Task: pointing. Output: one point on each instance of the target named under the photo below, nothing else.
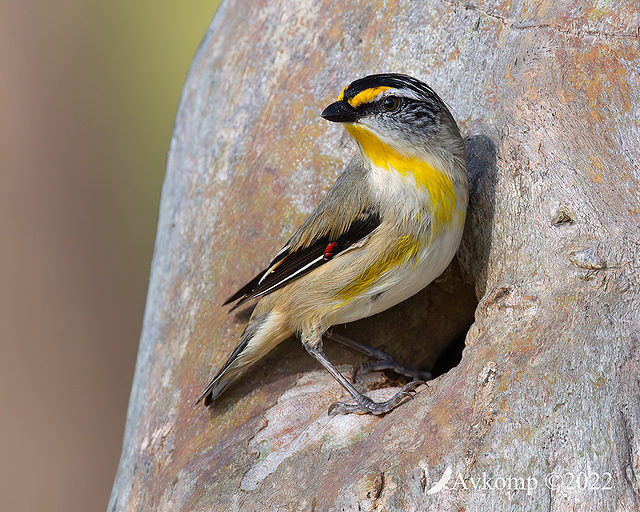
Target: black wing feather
(289, 265)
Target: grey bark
(547, 391)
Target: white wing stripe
(301, 269)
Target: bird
(389, 225)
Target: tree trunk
(542, 411)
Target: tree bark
(543, 411)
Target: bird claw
(383, 360)
(386, 362)
(365, 405)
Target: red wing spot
(328, 252)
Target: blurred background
(88, 94)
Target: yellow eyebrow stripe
(364, 96)
(341, 95)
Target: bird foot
(384, 360)
(387, 362)
(365, 405)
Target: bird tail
(262, 334)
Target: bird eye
(390, 103)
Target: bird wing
(344, 218)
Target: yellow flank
(438, 185)
(363, 96)
(405, 248)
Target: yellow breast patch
(438, 185)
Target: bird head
(399, 112)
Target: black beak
(340, 112)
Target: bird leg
(384, 361)
(363, 404)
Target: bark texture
(547, 95)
